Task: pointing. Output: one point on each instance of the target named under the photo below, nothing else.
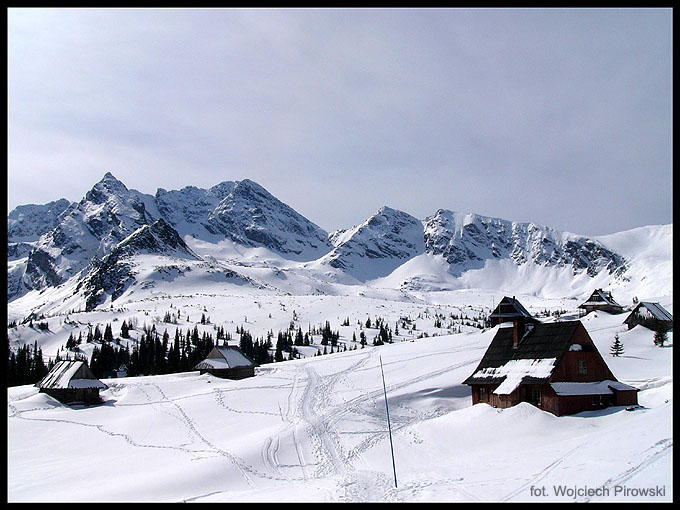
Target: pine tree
(617, 347)
(124, 330)
(108, 333)
(71, 342)
(661, 335)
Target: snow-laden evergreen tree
(617, 347)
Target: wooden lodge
(600, 300)
(227, 362)
(650, 315)
(554, 366)
(71, 381)
(510, 309)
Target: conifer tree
(108, 333)
(661, 335)
(617, 347)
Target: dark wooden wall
(231, 373)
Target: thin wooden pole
(389, 427)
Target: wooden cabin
(600, 300)
(509, 309)
(554, 366)
(227, 362)
(71, 381)
(650, 315)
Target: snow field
(315, 429)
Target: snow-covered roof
(214, 363)
(509, 308)
(515, 371)
(531, 361)
(589, 388)
(70, 374)
(658, 311)
(599, 297)
(230, 356)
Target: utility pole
(389, 427)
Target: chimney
(517, 332)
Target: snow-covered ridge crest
(390, 250)
(28, 222)
(467, 241)
(89, 230)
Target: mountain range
(92, 249)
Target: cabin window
(582, 366)
(598, 400)
(534, 396)
(483, 396)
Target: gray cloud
(528, 115)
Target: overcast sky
(558, 117)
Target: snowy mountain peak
(391, 248)
(251, 216)
(378, 246)
(108, 186)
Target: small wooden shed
(72, 381)
(650, 315)
(554, 366)
(600, 300)
(227, 362)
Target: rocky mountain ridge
(50, 244)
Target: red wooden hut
(554, 366)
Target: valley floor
(315, 429)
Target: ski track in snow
(653, 454)
(328, 418)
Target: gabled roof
(230, 356)
(532, 362)
(600, 297)
(657, 311)
(508, 308)
(70, 374)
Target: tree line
(26, 366)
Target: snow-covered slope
(114, 274)
(315, 429)
(649, 255)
